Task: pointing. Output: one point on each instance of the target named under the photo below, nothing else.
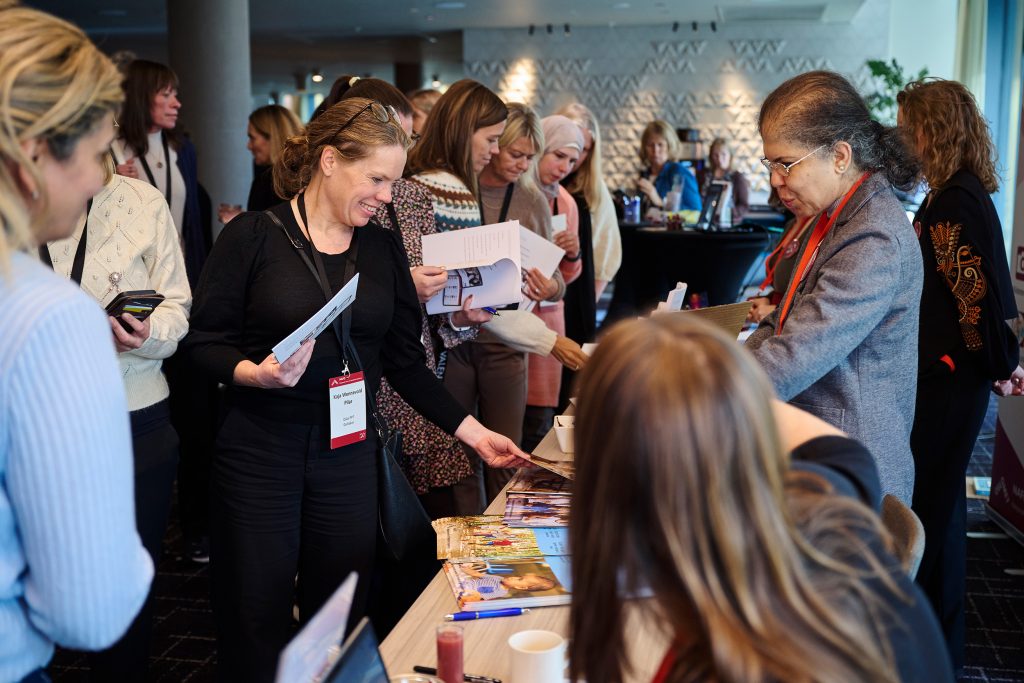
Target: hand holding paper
(482, 262)
(312, 328)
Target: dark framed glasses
(381, 112)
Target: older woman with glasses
(841, 343)
(295, 491)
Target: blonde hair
(55, 86)
(587, 178)
(523, 122)
(424, 99)
(757, 571)
(718, 143)
(955, 134)
(277, 124)
(661, 129)
(300, 158)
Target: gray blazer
(848, 351)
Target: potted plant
(889, 80)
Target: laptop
(360, 660)
(315, 648)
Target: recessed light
(450, 5)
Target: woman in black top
(285, 502)
(965, 343)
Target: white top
(158, 166)
(607, 242)
(72, 568)
(132, 238)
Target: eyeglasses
(383, 113)
(784, 169)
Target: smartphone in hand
(140, 303)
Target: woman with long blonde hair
(759, 566)
(75, 572)
(964, 343)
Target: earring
(35, 195)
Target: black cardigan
(256, 290)
(967, 295)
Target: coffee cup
(537, 657)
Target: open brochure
(538, 253)
(483, 262)
(319, 321)
(539, 482)
(528, 510)
(488, 537)
(523, 582)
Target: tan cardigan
(131, 233)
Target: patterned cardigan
(432, 457)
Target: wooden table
(411, 642)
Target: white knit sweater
(131, 233)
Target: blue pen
(492, 311)
(486, 614)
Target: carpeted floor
(184, 648)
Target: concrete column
(208, 44)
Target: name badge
(559, 222)
(348, 409)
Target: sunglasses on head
(381, 112)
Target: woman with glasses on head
(966, 349)
(755, 549)
(74, 571)
(285, 501)
(841, 344)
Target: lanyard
(811, 250)
(167, 169)
(79, 264)
(505, 203)
(320, 273)
(554, 206)
(792, 235)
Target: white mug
(537, 657)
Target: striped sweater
(72, 568)
(455, 207)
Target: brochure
(537, 253)
(527, 510)
(312, 328)
(539, 482)
(483, 262)
(525, 582)
(488, 537)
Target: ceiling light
(435, 81)
(317, 77)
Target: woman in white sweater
(128, 242)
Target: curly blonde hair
(942, 119)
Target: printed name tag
(558, 223)
(348, 409)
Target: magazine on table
(539, 481)
(488, 537)
(520, 582)
(527, 510)
(482, 262)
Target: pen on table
(486, 614)
(492, 311)
(472, 678)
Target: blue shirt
(72, 568)
(667, 178)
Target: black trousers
(155, 446)
(284, 504)
(950, 409)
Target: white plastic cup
(537, 657)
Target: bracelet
(456, 327)
(573, 259)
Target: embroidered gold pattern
(962, 271)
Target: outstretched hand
(495, 449)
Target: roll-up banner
(1006, 502)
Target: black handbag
(404, 524)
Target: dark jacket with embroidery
(967, 295)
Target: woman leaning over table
(127, 242)
(286, 503)
(459, 139)
(758, 547)
(965, 344)
(73, 571)
(840, 345)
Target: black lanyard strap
(503, 216)
(167, 168)
(79, 264)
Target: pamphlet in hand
(483, 262)
(538, 253)
(312, 328)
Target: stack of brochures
(518, 560)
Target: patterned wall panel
(711, 81)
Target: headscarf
(560, 132)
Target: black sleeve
(966, 247)
(846, 459)
(217, 321)
(403, 359)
